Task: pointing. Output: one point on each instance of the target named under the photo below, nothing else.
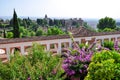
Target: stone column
(8, 53)
(55, 46)
(80, 41)
(102, 40)
(22, 50)
(59, 47)
(48, 47)
(115, 38)
(70, 44)
(109, 39)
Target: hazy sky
(61, 8)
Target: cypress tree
(16, 32)
(4, 33)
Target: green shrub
(81, 45)
(108, 30)
(105, 65)
(4, 72)
(108, 44)
(44, 64)
(36, 66)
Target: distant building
(47, 19)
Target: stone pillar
(95, 40)
(48, 47)
(22, 50)
(55, 46)
(109, 39)
(70, 44)
(80, 41)
(102, 41)
(115, 38)
(8, 53)
(59, 47)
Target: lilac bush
(29, 78)
(110, 45)
(116, 46)
(77, 60)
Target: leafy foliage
(39, 32)
(55, 31)
(106, 23)
(24, 32)
(108, 30)
(108, 44)
(104, 66)
(37, 65)
(9, 35)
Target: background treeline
(39, 27)
(26, 27)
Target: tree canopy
(106, 22)
(55, 31)
(39, 32)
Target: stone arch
(2, 51)
(98, 42)
(64, 46)
(83, 41)
(113, 39)
(27, 49)
(3, 55)
(45, 46)
(14, 49)
(53, 47)
(91, 41)
(106, 39)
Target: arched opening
(13, 50)
(53, 47)
(28, 49)
(113, 39)
(3, 55)
(2, 51)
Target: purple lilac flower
(79, 58)
(65, 66)
(28, 78)
(54, 71)
(99, 48)
(71, 72)
(80, 71)
(67, 61)
(85, 66)
(116, 45)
